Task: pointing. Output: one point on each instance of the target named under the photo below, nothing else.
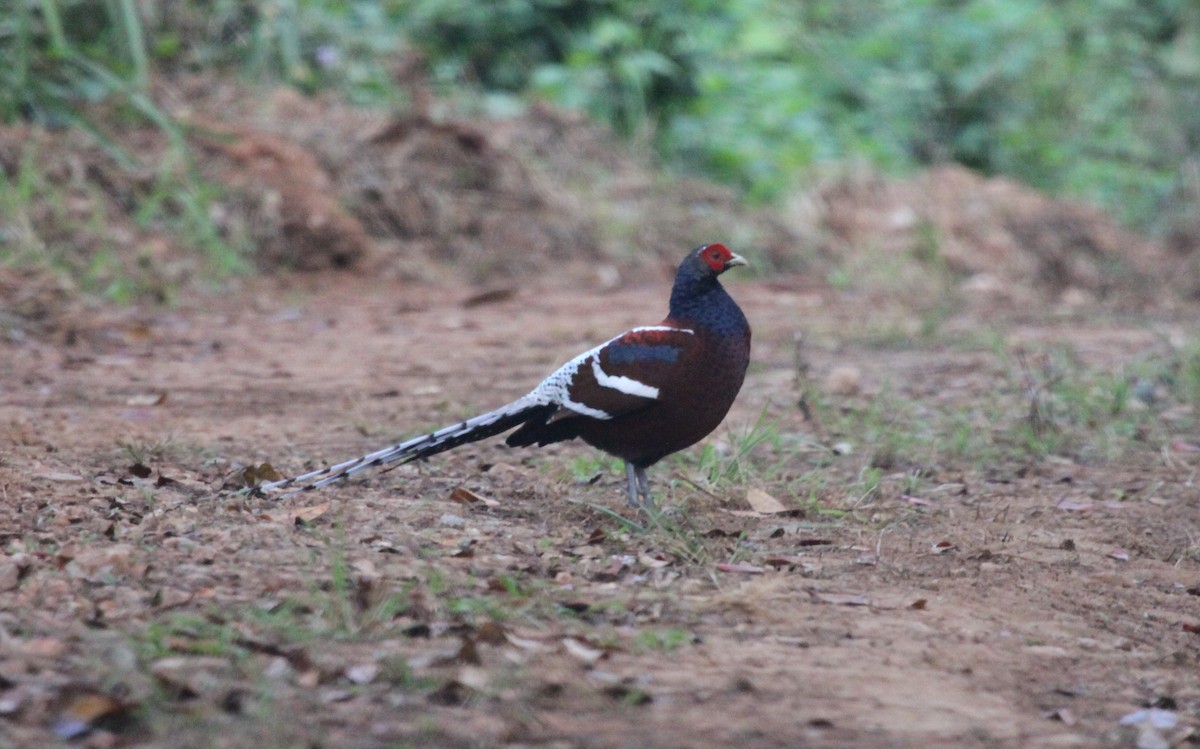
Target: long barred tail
(473, 429)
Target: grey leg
(631, 475)
(643, 485)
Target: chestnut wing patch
(629, 372)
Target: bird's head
(697, 297)
(712, 260)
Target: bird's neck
(703, 303)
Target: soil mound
(994, 235)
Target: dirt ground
(486, 599)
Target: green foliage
(1077, 96)
(68, 55)
(311, 44)
(1098, 99)
(627, 63)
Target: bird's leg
(631, 475)
(643, 486)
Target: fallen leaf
(919, 604)
(840, 599)
(762, 502)
(191, 676)
(742, 567)
(58, 476)
(814, 542)
(582, 650)
(85, 712)
(491, 632)
(451, 694)
(1062, 714)
(653, 561)
(595, 537)
(473, 677)
(489, 296)
(630, 695)
(147, 399)
(468, 653)
(465, 550)
(12, 701)
(44, 647)
(362, 673)
(722, 533)
(309, 514)
(1153, 717)
(942, 547)
(1119, 554)
(252, 476)
(1078, 505)
(778, 561)
(524, 643)
(465, 496)
(1180, 446)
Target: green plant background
(1097, 99)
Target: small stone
(844, 381)
(452, 521)
(10, 576)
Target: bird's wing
(623, 375)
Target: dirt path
(915, 598)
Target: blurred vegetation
(1096, 98)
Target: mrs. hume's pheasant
(641, 396)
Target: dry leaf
(653, 561)
(58, 476)
(762, 502)
(1119, 554)
(362, 673)
(742, 567)
(1079, 505)
(309, 514)
(474, 677)
(44, 647)
(489, 296)
(252, 476)
(147, 399)
(84, 712)
(841, 599)
(581, 650)
(465, 496)
(451, 694)
(942, 547)
(779, 561)
(491, 632)
(1062, 714)
(524, 643)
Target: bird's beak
(735, 260)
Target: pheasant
(641, 396)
